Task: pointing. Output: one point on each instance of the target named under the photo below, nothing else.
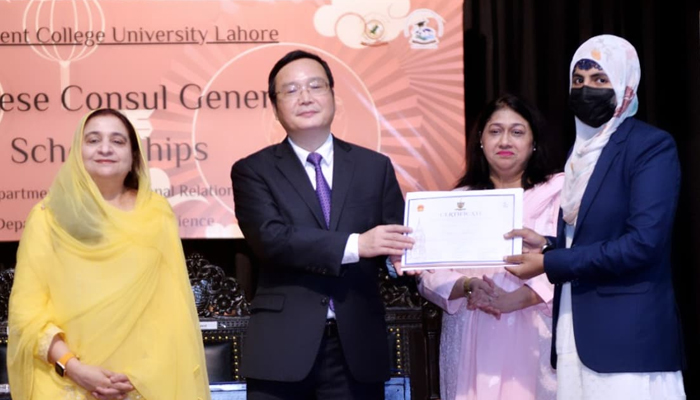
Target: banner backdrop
(192, 76)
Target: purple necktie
(323, 193)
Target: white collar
(325, 150)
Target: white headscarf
(619, 61)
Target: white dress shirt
(352, 251)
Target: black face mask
(592, 106)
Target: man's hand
(527, 265)
(384, 240)
(532, 241)
(396, 263)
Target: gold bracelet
(467, 286)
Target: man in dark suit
(322, 215)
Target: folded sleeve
(436, 287)
(45, 339)
(544, 289)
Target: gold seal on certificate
(462, 229)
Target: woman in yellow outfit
(101, 306)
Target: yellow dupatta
(114, 281)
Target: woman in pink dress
(496, 328)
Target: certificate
(462, 229)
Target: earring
(534, 149)
(482, 145)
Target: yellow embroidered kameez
(113, 283)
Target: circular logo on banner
(249, 123)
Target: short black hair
(132, 178)
(539, 168)
(288, 58)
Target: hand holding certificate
(462, 229)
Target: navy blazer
(619, 264)
(281, 219)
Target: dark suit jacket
(619, 263)
(301, 269)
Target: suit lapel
(343, 170)
(607, 156)
(288, 164)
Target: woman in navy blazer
(617, 331)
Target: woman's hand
(481, 296)
(526, 266)
(532, 241)
(507, 302)
(101, 383)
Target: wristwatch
(60, 365)
(548, 245)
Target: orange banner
(192, 76)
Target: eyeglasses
(315, 87)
